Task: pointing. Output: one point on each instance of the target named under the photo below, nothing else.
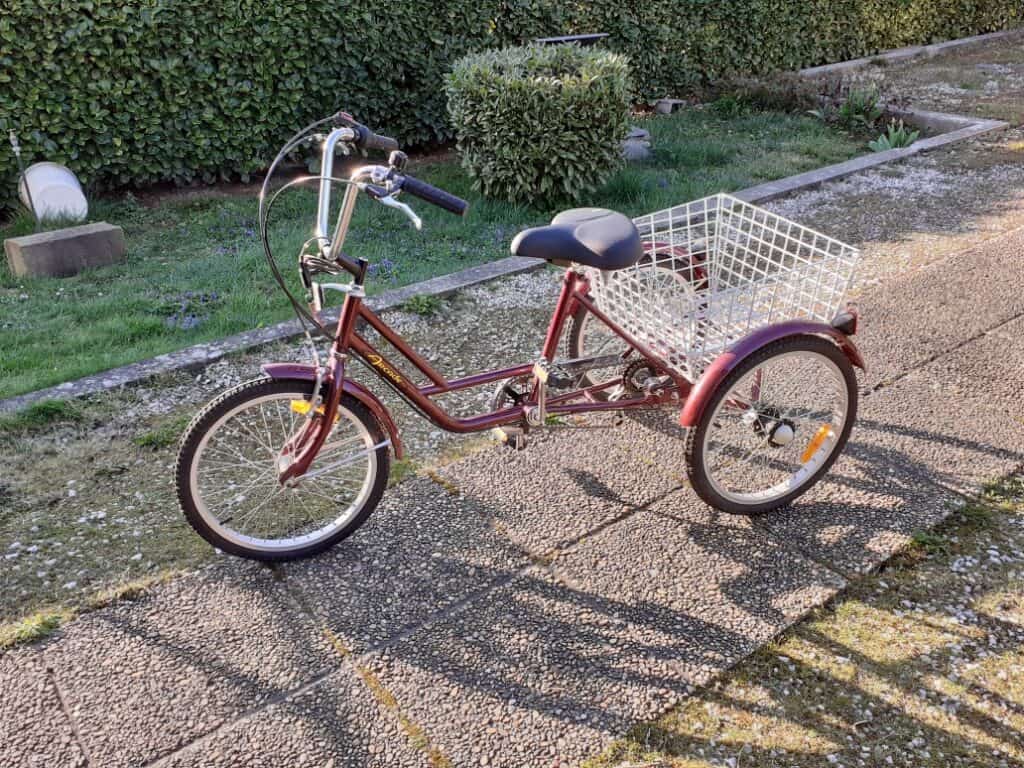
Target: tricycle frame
(348, 339)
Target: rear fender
(356, 390)
(726, 362)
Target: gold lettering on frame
(378, 362)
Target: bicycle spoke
(236, 476)
(797, 395)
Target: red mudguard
(724, 364)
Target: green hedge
(174, 90)
(539, 123)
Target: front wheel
(227, 473)
(773, 427)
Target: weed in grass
(33, 628)
(423, 305)
(163, 436)
(402, 470)
(730, 105)
(39, 416)
(129, 591)
(861, 109)
(23, 222)
(896, 136)
(928, 542)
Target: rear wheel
(664, 271)
(773, 427)
(227, 473)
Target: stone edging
(956, 128)
(902, 54)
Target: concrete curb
(902, 54)
(956, 128)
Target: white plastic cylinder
(53, 192)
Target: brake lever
(390, 202)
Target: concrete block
(667, 106)
(65, 252)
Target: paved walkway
(534, 605)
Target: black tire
(696, 438)
(227, 402)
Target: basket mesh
(716, 269)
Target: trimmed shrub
(130, 92)
(539, 122)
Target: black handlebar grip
(367, 139)
(435, 196)
(383, 143)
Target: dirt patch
(986, 80)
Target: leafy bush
(861, 109)
(135, 92)
(540, 122)
(896, 136)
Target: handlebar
(369, 140)
(434, 196)
(363, 136)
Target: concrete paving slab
(421, 552)
(567, 482)
(35, 732)
(919, 426)
(337, 722)
(550, 667)
(656, 438)
(143, 679)
(992, 366)
(860, 513)
(929, 312)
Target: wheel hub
(781, 434)
(768, 422)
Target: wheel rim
(775, 428)
(234, 475)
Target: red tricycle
(717, 308)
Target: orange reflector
(823, 434)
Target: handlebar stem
(326, 170)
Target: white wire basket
(716, 269)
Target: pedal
(513, 437)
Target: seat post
(563, 309)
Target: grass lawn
(920, 665)
(195, 269)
